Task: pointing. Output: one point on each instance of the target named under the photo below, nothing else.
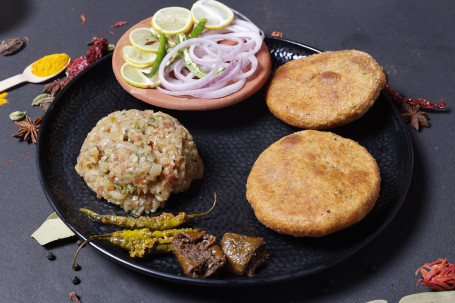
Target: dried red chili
(440, 275)
(83, 19)
(277, 34)
(119, 23)
(398, 99)
(97, 50)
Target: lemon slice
(172, 20)
(217, 14)
(138, 58)
(143, 39)
(135, 77)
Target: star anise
(28, 130)
(413, 114)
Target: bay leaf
(430, 297)
(51, 230)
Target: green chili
(197, 30)
(162, 222)
(139, 242)
(159, 57)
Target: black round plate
(229, 140)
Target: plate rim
(221, 282)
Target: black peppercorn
(79, 242)
(76, 266)
(75, 280)
(51, 256)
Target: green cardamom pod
(17, 115)
(38, 99)
(110, 47)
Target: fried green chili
(139, 242)
(162, 222)
(159, 56)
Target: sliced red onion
(227, 65)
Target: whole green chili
(197, 30)
(159, 56)
(162, 222)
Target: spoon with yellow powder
(39, 71)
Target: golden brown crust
(313, 183)
(325, 90)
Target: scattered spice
(11, 46)
(74, 297)
(51, 256)
(17, 115)
(111, 32)
(76, 266)
(46, 102)
(38, 99)
(83, 19)
(75, 280)
(277, 34)
(119, 23)
(50, 65)
(92, 41)
(27, 39)
(55, 86)
(441, 275)
(3, 98)
(398, 99)
(28, 130)
(411, 108)
(79, 242)
(98, 49)
(413, 114)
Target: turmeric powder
(50, 65)
(3, 98)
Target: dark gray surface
(414, 43)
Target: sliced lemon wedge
(172, 20)
(143, 39)
(138, 58)
(217, 14)
(134, 76)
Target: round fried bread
(313, 183)
(325, 90)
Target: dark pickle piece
(198, 254)
(243, 254)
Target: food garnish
(83, 19)
(11, 46)
(277, 34)
(412, 107)
(119, 23)
(74, 297)
(17, 115)
(39, 99)
(28, 130)
(217, 14)
(438, 275)
(162, 222)
(172, 20)
(206, 63)
(413, 114)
